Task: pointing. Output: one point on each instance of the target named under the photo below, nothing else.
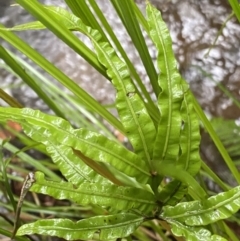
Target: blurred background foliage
(214, 79)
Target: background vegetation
(132, 101)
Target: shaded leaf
(197, 213)
(101, 169)
(189, 159)
(229, 133)
(172, 192)
(190, 137)
(116, 197)
(170, 170)
(108, 227)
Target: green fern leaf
(131, 108)
(50, 130)
(108, 195)
(170, 99)
(193, 233)
(107, 227)
(197, 213)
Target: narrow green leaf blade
(36, 25)
(171, 96)
(197, 213)
(132, 111)
(14, 65)
(114, 39)
(126, 11)
(81, 95)
(116, 197)
(236, 8)
(129, 104)
(108, 227)
(170, 170)
(193, 233)
(190, 137)
(53, 24)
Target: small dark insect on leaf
(131, 94)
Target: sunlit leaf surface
(194, 233)
(131, 108)
(108, 227)
(197, 213)
(54, 130)
(170, 99)
(178, 137)
(109, 195)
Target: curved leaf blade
(49, 129)
(194, 233)
(72, 167)
(108, 227)
(134, 116)
(132, 111)
(197, 213)
(116, 197)
(189, 159)
(166, 145)
(131, 107)
(172, 192)
(194, 188)
(190, 137)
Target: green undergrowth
(114, 193)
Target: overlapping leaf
(72, 167)
(172, 193)
(189, 159)
(108, 227)
(178, 126)
(170, 99)
(197, 213)
(170, 170)
(53, 130)
(193, 233)
(109, 195)
(132, 111)
(190, 137)
(134, 116)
